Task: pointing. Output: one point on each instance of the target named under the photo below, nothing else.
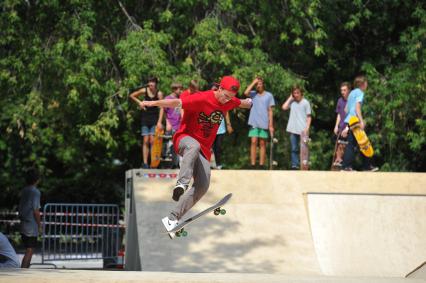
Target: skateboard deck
(217, 211)
(157, 147)
(339, 149)
(272, 162)
(167, 155)
(304, 151)
(361, 137)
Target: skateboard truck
(220, 211)
(181, 233)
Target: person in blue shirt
(8, 257)
(261, 120)
(354, 108)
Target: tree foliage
(66, 67)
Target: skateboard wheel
(184, 234)
(177, 234)
(222, 211)
(217, 211)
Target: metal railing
(80, 231)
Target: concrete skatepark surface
(280, 226)
(285, 222)
(90, 276)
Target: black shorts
(29, 242)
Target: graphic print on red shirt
(201, 119)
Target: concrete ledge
(62, 276)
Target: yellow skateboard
(361, 137)
(157, 147)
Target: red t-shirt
(202, 117)
(185, 93)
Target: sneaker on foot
(372, 169)
(337, 164)
(169, 225)
(178, 190)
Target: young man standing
(353, 108)
(203, 114)
(299, 121)
(340, 125)
(260, 119)
(151, 117)
(29, 215)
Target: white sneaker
(169, 225)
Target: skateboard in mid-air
(304, 151)
(216, 208)
(272, 162)
(157, 147)
(361, 137)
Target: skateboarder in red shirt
(193, 141)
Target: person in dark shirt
(29, 215)
(340, 125)
(151, 117)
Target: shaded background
(66, 68)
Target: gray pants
(195, 165)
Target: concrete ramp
(266, 229)
(378, 235)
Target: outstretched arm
(245, 103)
(169, 103)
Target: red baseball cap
(230, 83)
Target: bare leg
(339, 152)
(253, 151)
(145, 149)
(26, 260)
(262, 149)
